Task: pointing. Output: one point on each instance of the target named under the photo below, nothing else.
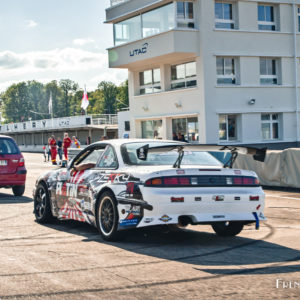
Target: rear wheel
(107, 217)
(18, 190)
(227, 228)
(42, 208)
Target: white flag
(85, 100)
(50, 105)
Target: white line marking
(282, 197)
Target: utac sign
(142, 50)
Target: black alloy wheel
(42, 209)
(107, 218)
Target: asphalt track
(69, 260)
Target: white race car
(122, 184)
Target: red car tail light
(248, 180)
(254, 198)
(184, 181)
(238, 181)
(171, 181)
(21, 162)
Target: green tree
(109, 91)
(69, 88)
(36, 98)
(52, 88)
(16, 104)
(122, 96)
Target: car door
(73, 190)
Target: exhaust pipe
(184, 221)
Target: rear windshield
(8, 146)
(202, 158)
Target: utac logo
(139, 51)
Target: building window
(183, 76)
(270, 126)
(266, 18)
(158, 20)
(268, 71)
(127, 125)
(185, 129)
(150, 81)
(226, 70)
(152, 129)
(153, 22)
(127, 31)
(227, 127)
(185, 14)
(224, 17)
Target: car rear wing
(257, 154)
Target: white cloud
(79, 65)
(82, 42)
(31, 23)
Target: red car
(12, 166)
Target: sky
(47, 40)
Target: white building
(214, 71)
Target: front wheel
(42, 208)
(227, 228)
(18, 190)
(107, 216)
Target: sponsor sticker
(165, 218)
(148, 220)
(130, 222)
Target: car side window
(92, 157)
(108, 159)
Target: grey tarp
(281, 168)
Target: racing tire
(227, 228)
(18, 190)
(108, 216)
(42, 206)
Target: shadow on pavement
(11, 199)
(193, 247)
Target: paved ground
(69, 260)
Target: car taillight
(21, 162)
(245, 181)
(171, 181)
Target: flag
(50, 105)
(85, 100)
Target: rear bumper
(8, 180)
(200, 207)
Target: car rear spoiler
(257, 154)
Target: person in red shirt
(66, 144)
(53, 149)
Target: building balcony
(121, 9)
(170, 46)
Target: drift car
(138, 183)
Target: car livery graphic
(121, 184)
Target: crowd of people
(59, 147)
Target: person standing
(59, 148)
(75, 142)
(53, 149)
(48, 149)
(45, 152)
(66, 144)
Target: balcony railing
(116, 2)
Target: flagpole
(85, 111)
